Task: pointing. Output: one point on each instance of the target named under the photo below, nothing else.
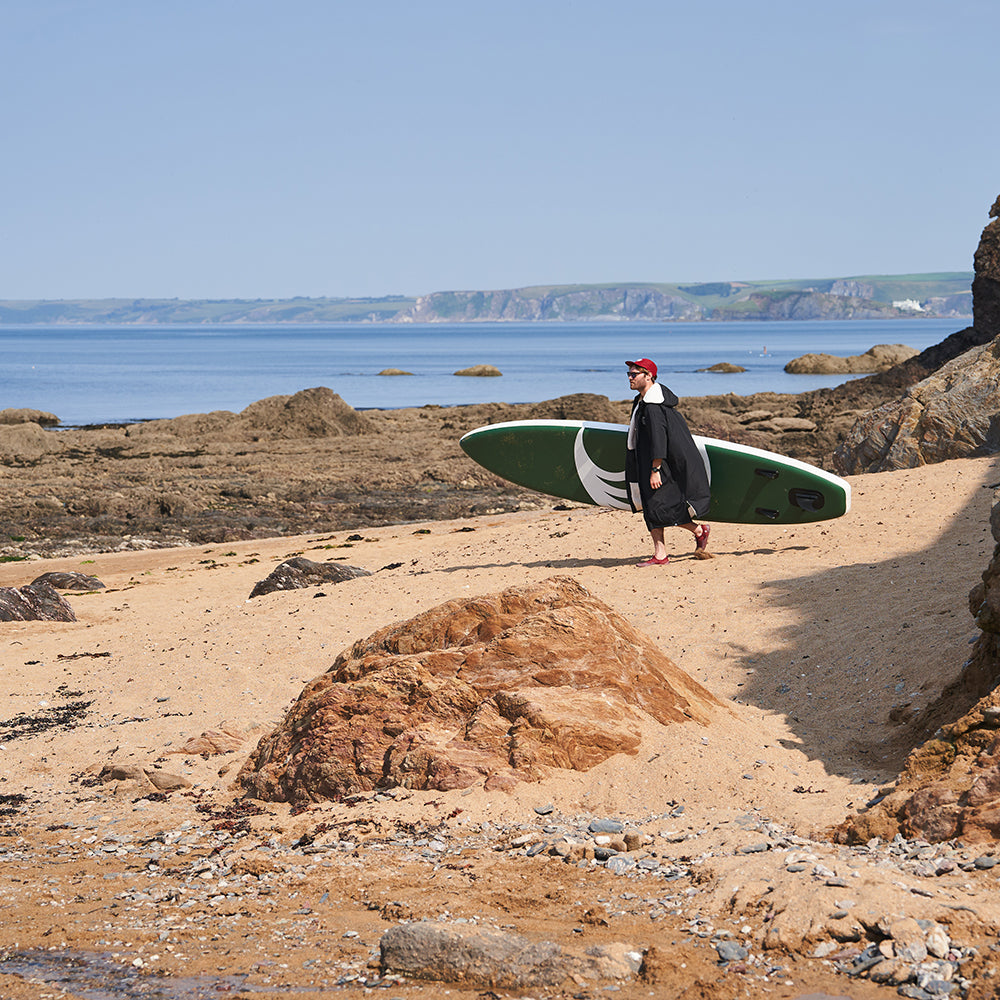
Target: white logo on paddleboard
(605, 488)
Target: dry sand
(813, 634)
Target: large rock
(299, 572)
(500, 688)
(879, 358)
(26, 441)
(37, 602)
(318, 412)
(953, 413)
(576, 406)
(986, 283)
(69, 581)
(25, 415)
(310, 413)
(483, 957)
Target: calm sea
(93, 374)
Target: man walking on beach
(664, 470)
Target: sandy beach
(822, 640)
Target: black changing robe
(660, 432)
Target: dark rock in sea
(480, 371)
(69, 581)
(499, 689)
(723, 368)
(294, 574)
(394, 371)
(37, 602)
(879, 358)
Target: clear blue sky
(241, 148)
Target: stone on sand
(501, 688)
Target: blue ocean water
(98, 374)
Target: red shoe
(701, 541)
(654, 562)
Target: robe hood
(660, 394)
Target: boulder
(723, 368)
(132, 778)
(310, 413)
(576, 406)
(480, 371)
(26, 442)
(69, 581)
(879, 358)
(497, 689)
(24, 415)
(296, 573)
(394, 371)
(484, 957)
(318, 412)
(225, 738)
(37, 602)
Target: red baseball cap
(650, 366)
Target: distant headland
(943, 295)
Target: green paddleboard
(585, 461)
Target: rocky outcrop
(576, 406)
(496, 689)
(299, 572)
(986, 283)
(310, 413)
(879, 358)
(26, 442)
(480, 371)
(24, 415)
(955, 412)
(37, 602)
(951, 784)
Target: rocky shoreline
(309, 462)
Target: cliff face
(805, 305)
(954, 412)
(986, 283)
(626, 302)
(846, 300)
